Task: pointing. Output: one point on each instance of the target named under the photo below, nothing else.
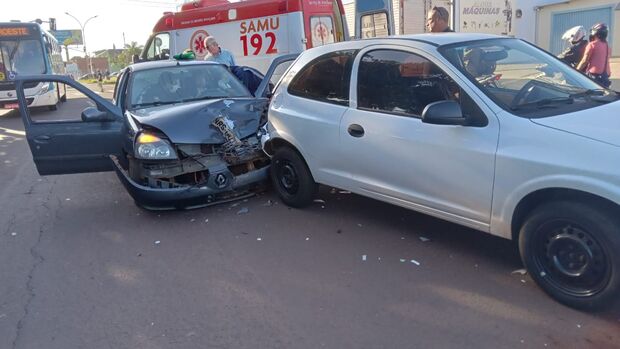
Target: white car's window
(401, 83)
(159, 47)
(524, 79)
(326, 79)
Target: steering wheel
(523, 93)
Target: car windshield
(23, 57)
(524, 79)
(183, 83)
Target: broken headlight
(150, 147)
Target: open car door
(276, 70)
(374, 18)
(75, 137)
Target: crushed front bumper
(222, 186)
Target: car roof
(167, 63)
(439, 39)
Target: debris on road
(233, 205)
(207, 220)
(415, 262)
(424, 239)
(13, 234)
(578, 325)
(139, 254)
(402, 238)
(403, 260)
(543, 274)
(519, 271)
(68, 199)
(359, 225)
(364, 257)
(268, 203)
(157, 242)
(522, 281)
(192, 220)
(307, 239)
(319, 201)
(259, 239)
(244, 210)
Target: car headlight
(150, 147)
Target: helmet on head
(574, 34)
(599, 30)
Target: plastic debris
(519, 271)
(359, 225)
(379, 259)
(578, 326)
(268, 203)
(157, 242)
(344, 192)
(68, 199)
(192, 220)
(364, 257)
(244, 210)
(522, 281)
(259, 239)
(424, 239)
(319, 201)
(13, 234)
(402, 238)
(234, 205)
(323, 207)
(415, 262)
(307, 239)
(207, 220)
(403, 260)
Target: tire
(571, 250)
(291, 178)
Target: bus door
(374, 18)
(324, 22)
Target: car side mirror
(91, 114)
(443, 113)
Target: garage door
(561, 22)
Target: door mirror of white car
(91, 114)
(443, 113)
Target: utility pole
(90, 61)
(124, 43)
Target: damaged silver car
(179, 134)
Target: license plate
(11, 106)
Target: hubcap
(288, 177)
(571, 259)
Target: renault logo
(10, 94)
(220, 180)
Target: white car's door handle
(356, 130)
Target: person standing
(438, 20)
(595, 61)
(218, 54)
(100, 79)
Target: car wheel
(571, 250)
(291, 178)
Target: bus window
(159, 47)
(23, 57)
(374, 25)
(322, 30)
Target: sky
(135, 18)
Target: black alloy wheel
(291, 178)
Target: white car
(485, 131)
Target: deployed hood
(191, 123)
(600, 123)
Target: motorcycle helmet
(599, 30)
(574, 34)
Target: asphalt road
(82, 267)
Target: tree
(129, 51)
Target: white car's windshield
(524, 79)
(178, 84)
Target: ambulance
(254, 31)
